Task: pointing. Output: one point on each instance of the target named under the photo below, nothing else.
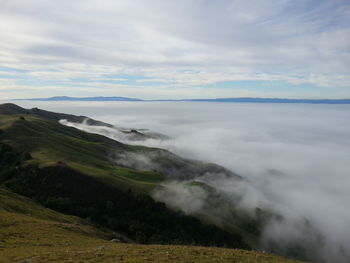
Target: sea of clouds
(296, 158)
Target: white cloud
(291, 41)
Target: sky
(156, 49)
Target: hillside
(77, 173)
(106, 183)
(32, 233)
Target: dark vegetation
(136, 215)
(32, 233)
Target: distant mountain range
(240, 100)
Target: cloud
(189, 43)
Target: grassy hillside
(32, 233)
(50, 143)
(38, 132)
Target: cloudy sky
(175, 49)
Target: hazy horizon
(167, 99)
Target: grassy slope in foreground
(32, 233)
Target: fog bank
(295, 157)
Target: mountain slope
(48, 141)
(77, 173)
(32, 233)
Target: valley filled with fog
(294, 159)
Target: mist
(294, 159)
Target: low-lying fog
(296, 157)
